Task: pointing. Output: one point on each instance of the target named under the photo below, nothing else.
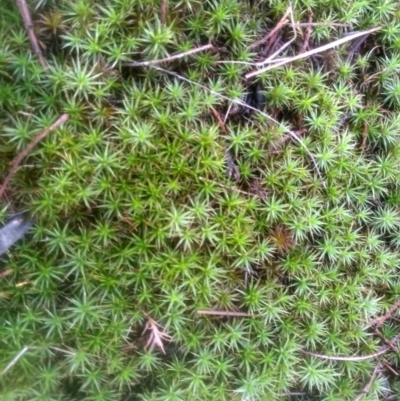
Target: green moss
(141, 220)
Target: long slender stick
(379, 321)
(311, 52)
(171, 58)
(16, 162)
(279, 25)
(26, 16)
(164, 6)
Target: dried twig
(157, 335)
(26, 16)
(311, 52)
(364, 137)
(308, 33)
(16, 162)
(164, 6)
(224, 313)
(367, 387)
(170, 58)
(384, 362)
(287, 44)
(385, 340)
(219, 119)
(283, 21)
(379, 321)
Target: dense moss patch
(159, 198)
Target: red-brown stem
(283, 21)
(379, 321)
(164, 6)
(26, 16)
(16, 162)
(308, 33)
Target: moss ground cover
(158, 198)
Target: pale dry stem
(320, 49)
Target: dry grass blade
(311, 52)
(157, 335)
(14, 361)
(16, 162)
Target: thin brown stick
(385, 340)
(367, 387)
(283, 47)
(311, 52)
(308, 33)
(170, 58)
(223, 313)
(219, 119)
(164, 6)
(379, 321)
(16, 162)
(364, 136)
(272, 44)
(283, 21)
(384, 362)
(26, 16)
